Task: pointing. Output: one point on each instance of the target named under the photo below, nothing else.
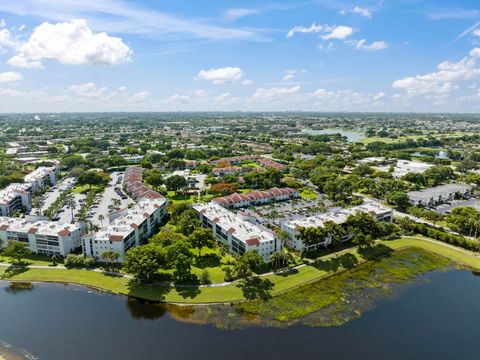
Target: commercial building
(439, 194)
(239, 235)
(42, 237)
(131, 228)
(257, 197)
(292, 227)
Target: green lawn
(32, 259)
(308, 194)
(231, 292)
(180, 198)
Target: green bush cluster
(412, 227)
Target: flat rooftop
(41, 227)
(337, 216)
(232, 223)
(437, 191)
(121, 227)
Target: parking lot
(447, 208)
(106, 202)
(286, 210)
(52, 194)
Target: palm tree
(101, 218)
(71, 204)
(116, 202)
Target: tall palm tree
(101, 218)
(71, 204)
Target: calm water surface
(352, 136)
(434, 319)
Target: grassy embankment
(231, 292)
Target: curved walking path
(223, 284)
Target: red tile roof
(115, 238)
(64, 232)
(32, 230)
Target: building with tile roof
(42, 237)
(338, 216)
(239, 235)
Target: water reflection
(16, 287)
(145, 310)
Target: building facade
(41, 237)
(257, 197)
(239, 235)
(131, 229)
(292, 227)
(439, 194)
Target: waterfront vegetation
(270, 285)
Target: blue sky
(318, 55)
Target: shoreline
(226, 293)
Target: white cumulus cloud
(10, 76)
(87, 90)
(339, 32)
(357, 10)
(363, 45)
(274, 92)
(221, 75)
(305, 30)
(71, 43)
(142, 95)
(444, 80)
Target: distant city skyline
(313, 55)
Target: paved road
(107, 199)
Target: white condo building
(41, 177)
(18, 196)
(292, 227)
(240, 235)
(126, 231)
(15, 197)
(42, 237)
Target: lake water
(352, 136)
(437, 317)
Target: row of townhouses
(257, 197)
(133, 184)
(236, 160)
(292, 227)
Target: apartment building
(41, 177)
(42, 237)
(239, 235)
(292, 227)
(18, 196)
(439, 194)
(15, 197)
(257, 197)
(130, 229)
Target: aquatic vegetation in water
(331, 301)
